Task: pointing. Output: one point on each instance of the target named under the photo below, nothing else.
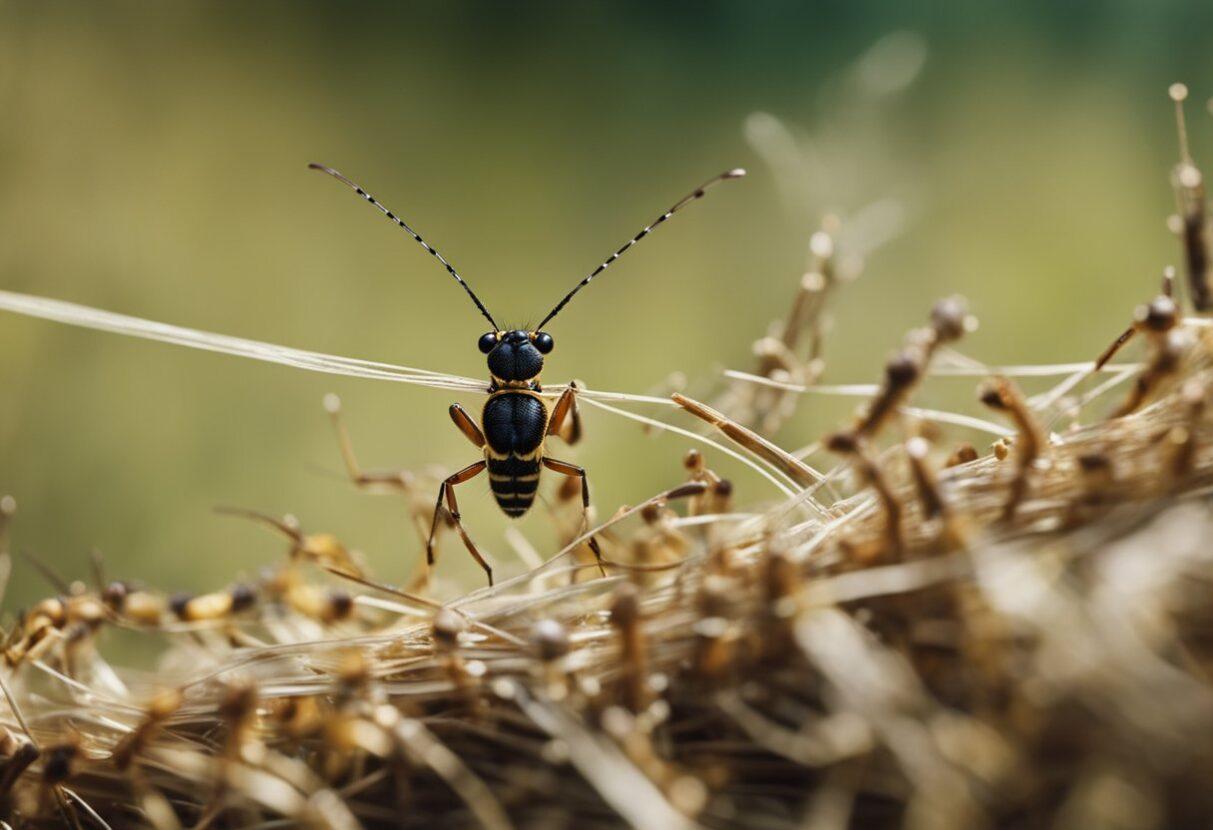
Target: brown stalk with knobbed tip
(809, 302)
(902, 372)
(717, 499)
(1181, 438)
(60, 763)
(17, 753)
(698, 470)
(1002, 396)
(779, 354)
(950, 320)
(659, 544)
(955, 529)
(856, 448)
(1098, 476)
(1155, 317)
(927, 487)
(448, 628)
(550, 641)
(716, 639)
(1190, 202)
(779, 582)
(1168, 349)
(633, 653)
(161, 707)
(238, 711)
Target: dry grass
(923, 635)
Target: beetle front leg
(467, 425)
(566, 409)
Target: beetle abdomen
(514, 481)
(514, 427)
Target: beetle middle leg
(447, 493)
(566, 409)
(573, 471)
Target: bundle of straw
(924, 635)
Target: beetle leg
(566, 407)
(466, 425)
(447, 493)
(573, 471)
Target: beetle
(515, 421)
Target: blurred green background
(152, 162)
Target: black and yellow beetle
(515, 421)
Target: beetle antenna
(450, 269)
(697, 193)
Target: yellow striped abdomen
(514, 480)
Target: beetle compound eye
(544, 342)
(487, 341)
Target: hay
(920, 636)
